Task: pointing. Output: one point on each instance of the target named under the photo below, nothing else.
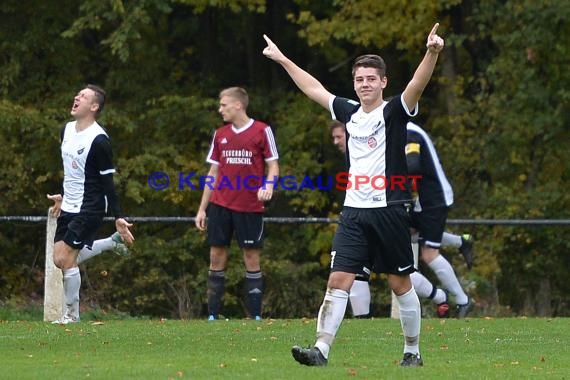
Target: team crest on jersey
(74, 164)
(81, 150)
(372, 142)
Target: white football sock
(330, 317)
(97, 248)
(360, 298)
(71, 286)
(444, 272)
(423, 286)
(451, 240)
(410, 319)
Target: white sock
(330, 317)
(71, 286)
(410, 319)
(444, 272)
(423, 286)
(360, 298)
(439, 296)
(451, 240)
(98, 247)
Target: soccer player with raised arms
(374, 227)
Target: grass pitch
(473, 348)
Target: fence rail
(309, 220)
(53, 285)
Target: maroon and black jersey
(241, 155)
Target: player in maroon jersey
(233, 200)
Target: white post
(395, 312)
(53, 285)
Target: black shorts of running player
(430, 225)
(363, 275)
(77, 230)
(222, 222)
(376, 238)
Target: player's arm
(265, 193)
(413, 159)
(57, 199)
(305, 81)
(200, 220)
(104, 159)
(416, 86)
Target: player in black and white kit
(374, 228)
(359, 295)
(429, 215)
(88, 191)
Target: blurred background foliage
(497, 108)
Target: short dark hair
(99, 96)
(370, 60)
(336, 124)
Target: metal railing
(310, 220)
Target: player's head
(88, 102)
(233, 103)
(338, 135)
(369, 76)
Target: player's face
(339, 139)
(229, 108)
(84, 104)
(368, 84)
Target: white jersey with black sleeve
(376, 148)
(88, 171)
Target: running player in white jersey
(88, 191)
(374, 228)
(429, 215)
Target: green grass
(474, 348)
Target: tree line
(497, 109)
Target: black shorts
(430, 225)
(222, 222)
(76, 229)
(376, 238)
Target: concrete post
(53, 283)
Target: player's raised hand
(434, 42)
(271, 51)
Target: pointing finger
(267, 39)
(434, 29)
